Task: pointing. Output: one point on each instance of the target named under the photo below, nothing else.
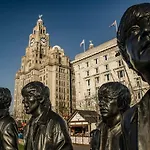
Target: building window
(56, 75)
(56, 89)
(96, 61)
(96, 70)
(88, 82)
(88, 92)
(106, 67)
(87, 73)
(105, 57)
(138, 82)
(40, 78)
(87, 64)
(121, 74)
(97, 79)
(107, 76)
(79, 67)
(117, 54)
(89, 104)
(139, 94)
(56, 81)
(120, 63)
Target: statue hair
(5, 98)
(38, 89)
(130, 18)
(118, 91)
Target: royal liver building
(47, 64)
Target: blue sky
(68, 22)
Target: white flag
(114, 24)
(83, 42)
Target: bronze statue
(46, 130)
(114, 99)
(8, 127)
(134, 45)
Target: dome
(57, 47)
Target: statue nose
(146, 31)
(145, 35)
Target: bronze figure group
(114, 99)
(134, 44)
(46, 129)
(8, 127)
(121, 127)
(133, 38)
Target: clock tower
(39, 35)
(49, 65)
(38, 43)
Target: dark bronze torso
(136, 125)
(144, 122)
(48, 132)
(109, 138)
(8, 133)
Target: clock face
(43, 41)
(32, 41)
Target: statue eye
(134, 30)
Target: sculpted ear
(42, 99)
(44, 95)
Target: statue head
(35, 94)
(133, 39)
(5, 98)
(114, 98)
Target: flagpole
(84, 45)
(116, 27)
(114, 24)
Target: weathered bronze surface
(46, 130)
(8, 127)
(114, 99)
(134, 45)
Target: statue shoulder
(129, 116)
(8, 123)
(7, 120)
(57, 118)
(145, 99)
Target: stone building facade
(47, 64)
(99, 65)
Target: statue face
(138, 47)
(108, 107)
(30, 103)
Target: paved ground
(81, 147)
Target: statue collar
(42, 119)
(4, 112)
